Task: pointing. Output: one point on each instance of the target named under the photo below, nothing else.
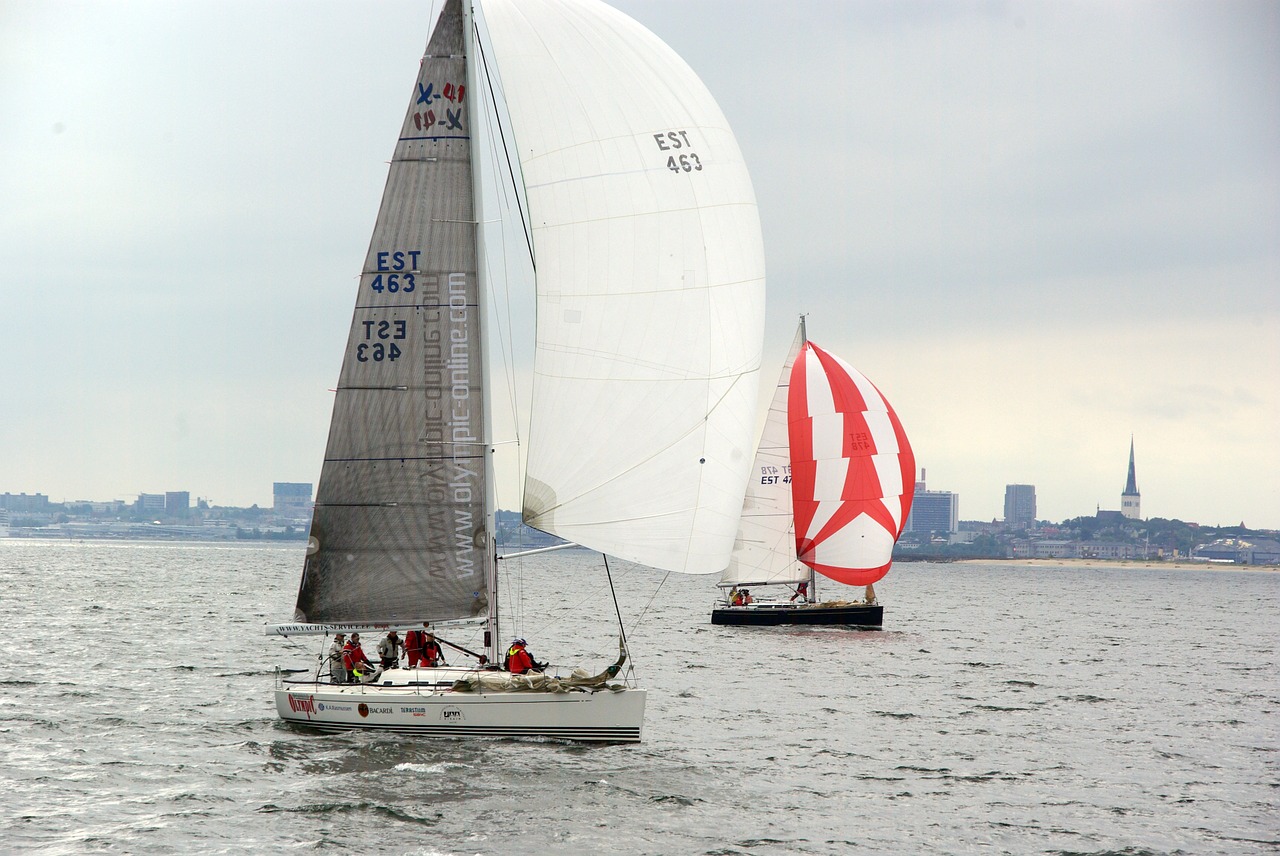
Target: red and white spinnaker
(852, 469)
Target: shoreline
(1123, 564)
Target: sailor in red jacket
(413, 647)
(520, 661)
(356, 663)
(432, 653)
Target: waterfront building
(1019, 504)
(177, 503)
(291, 500)
(1111, 550)
(933, 510)
(1241, 551)
(20, 502)
(150, 502)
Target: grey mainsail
(400, 532)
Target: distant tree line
(1170, 537)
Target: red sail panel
(851, 466)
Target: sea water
(1002, 709)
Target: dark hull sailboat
(829, 496)
(869, 615)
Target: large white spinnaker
(650, 278)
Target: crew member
(413, 646)
(389, 650)
(357, 663)
(337, 671)
(432, 653)
(520, 661)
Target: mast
(813, 575)
(490, 546)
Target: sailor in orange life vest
(519, 660)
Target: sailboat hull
(605, 716)
(768, 615)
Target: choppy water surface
(1003, 710)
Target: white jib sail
(765, 550)
(650, 277)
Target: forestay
(399, 531)
(650, 278)
(851, 469)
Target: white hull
(422, 702)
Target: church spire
(1131, 500)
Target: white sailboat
(834, 468)
(641, 222)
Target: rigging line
(555, 619)
(622, 631)
(434, 15)
(506, 337)
(652, 598)
(507, 341)
(510, 578)
(513, 579)
(484, 60)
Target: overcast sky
(1040, 228)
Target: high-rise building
(933, 510)
(1131, 500)
(1019, 504)
(177, 503)
(291, 500)
(20, 502)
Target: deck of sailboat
(767, 614)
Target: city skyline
(1038, 228)
(920, 485)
